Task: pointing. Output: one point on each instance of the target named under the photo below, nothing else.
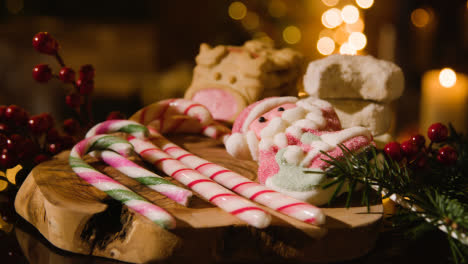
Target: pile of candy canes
(216, 184)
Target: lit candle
(444, 99)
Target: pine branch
(437, 194)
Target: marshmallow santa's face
(287, 136)
(260, 123)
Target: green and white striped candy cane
(110, 186)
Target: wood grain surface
(74, 216)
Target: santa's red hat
(243, 143)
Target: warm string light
(421, 17)
(237, 10)
(364, 4)
(344, 27)
(292, 35)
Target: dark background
(144, 50)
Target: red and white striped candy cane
(109, 185)
(243, 186)
(207, 188)
(145, 177)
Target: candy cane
(180, 115)
(237, 183)
(145, 177)
(245, 187)
(110, 186)
(207, 188)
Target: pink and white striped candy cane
(245, 187)
(210, 190)
(145, 177)
(110, 186)
(180, 115)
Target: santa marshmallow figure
(287, 135)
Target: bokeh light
(356, 27)
(325, 45)
(357, 40)
(447, 77)
(347, 49)
(332, 18)
(292, 35)
(326, 33)
(350, 14)
(341, 35)
(330, 2)
(251, 21)
(237, 10)
(364, 3)
(420, 17)
(277, 8)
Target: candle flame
(447, 77)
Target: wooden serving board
(77, 217)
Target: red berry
(48, 120)
(52, 135)
(73, 100)
(85, 87)
(54, 148)
(437, 132)
(115, 115)
(43, 42)
(36, 125)
(67, 75)
(71, 126)
(418, 140)
(87, 72)
(408, 148)
(447, 155)
(14, 142)
(40, 158)
(4, 128)
(15, 115)
(42, 73)
(393, 150)
(7, 159)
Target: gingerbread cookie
(228, 78)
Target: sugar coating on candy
(376, 117)
(222, 104)
(346, 76)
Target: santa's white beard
(293, 121)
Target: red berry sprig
(416, 153)
(78, 99)
(27, 140)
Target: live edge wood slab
(74, 216)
